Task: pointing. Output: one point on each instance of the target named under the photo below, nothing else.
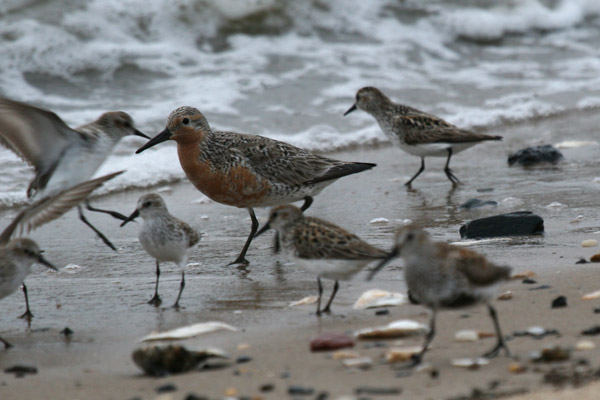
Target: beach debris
(589, 243)
(243, 359)
(401, 354)
(577, 219)
(560, 301)
(172, 359)
(537, 332)
(572, 144)
(304, 301)
(523, 275)
(344, 354)
(511, 224)
(331, 341)
(466, 335)
(508, 295)
(385, 311)
(166, 388)
(243, 346)
(584, 345)
(550, 354)
(536, 155)
(469, 363)
(595, 258)
(379, 298)
(529, 281)
(21, 370)
(377, 391)
(574, 374)
(231, 392)
(400, 328)
(297, 390)
(555, 204)
(591, 296)
(594, 330)
(516, 368)
(477, 203)
(190, 331)
(379, 221)
(581, 261)
(267, 387)
(358, 363)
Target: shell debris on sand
(584, 345)
(523, 275)
(401, 354)
(304, 301)
(591, 296)
(400, 328)
(379, 298)
(506, 295)
(469, 363)
(589, 243)
(466, 335)
(190, 331)
(172, 359)
(359, 363)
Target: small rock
(591, 296)
(523, 275)
(267, 387)
(553, 354)
(541, 287)
(193, 396)
(596, 310)
(166, 388)
(516, 368)
(589, 243)
(560, 301)
(330, 341)
(506, 295)
(595, 258)
(511, 224)
(594, 330)
(535, 155)
(581, 261)
(528, 281)
(377, 391)
(477, 203)
(21, 370)
(469, 363)
(360, 362)
(243, 359)
(344, 354)
(466, 336)
(322, 396)
(584, 345)
(401, 354)
(382, 312)
(300, 390)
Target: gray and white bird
(164, 237)
(442, 276)
(417, 132)
(16, 259)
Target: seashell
(344, 354)
(591, 296)
(306, 300)
(589, 243)
(401, 354)
(171, 359)
(379, 298)
(189, 331)
(470, 363)
(243, 346)
(360, 362)
(400, 328)
(506, 295)
(466, 336)
(595, 258)
(379, 221)
(536, 331)
(572, 144)
(516, 368)
(583, 345)
(523, 275)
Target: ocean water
(289, 69)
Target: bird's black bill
(263, 230)
(353, 108)
(133, 216)
(138, 133)
(161, 137)
(45, 262)
(394, 253)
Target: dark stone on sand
(300, 390)
(21, 370)
(528, 281)
(192, 396)
(536, 155)
(596, 310)
(267, 387)
(581, 261)
(560, 301)
(382, 312)
(541, 287)
(243, 359)
(377, 391)
(512, 224)
(594, 330)
(331, 341)
(553, 354)
(477, 203)
(166, 388)
(66, 332)
(595, 258)
(322, 396)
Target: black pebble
(300, 390)
(581, 261)
(477, 203)
(21, 370)
(193, 396)
(541, 287)
(385, 311)
(528, 281)
(166, 388)
(595, 330)
(267, 387)
(535, 155)
(322, 396)
(377, 391)
(596, 310)
(243, 359)
(560, 301)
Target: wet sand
(102, 295)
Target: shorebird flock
(245, 171)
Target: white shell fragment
(505, 295)
(379, 221)
(400, 328)
(401, 354)
(471, 363)
(466, 336)
(189, 331)
(583, 345)
(591, 296)
(536, 331)
(572, 144)
(379, 298)
(304, 301)
(360, 362)
(589, 243)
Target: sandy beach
(101, 296)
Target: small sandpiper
(61, 156)
(248, 171)
(417, 132)
(164, 237)
(442, 276)
(16, 259)
(321, 247)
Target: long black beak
(45, 262)
(161, 137)
(262, 230)
(393, 254)
(353, 108)
(138, 133)
(133, 216)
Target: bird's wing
(50, 208)
(321, 239)
(474, 266)
(422, 128)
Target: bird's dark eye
(29, 252)
(410, 237)
(274, 215)
(127, 125)
(186, 121)
(147, 204)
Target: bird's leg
(501, 344)
(241, 259)
(447, 169)
(100, 234)
(320, 294)
(114, 214)
(181, 286)
(27, 314)
(308, 200)
(416, 359)
(418, 172)
(336, 286)
(6, 344)
(155, 300)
